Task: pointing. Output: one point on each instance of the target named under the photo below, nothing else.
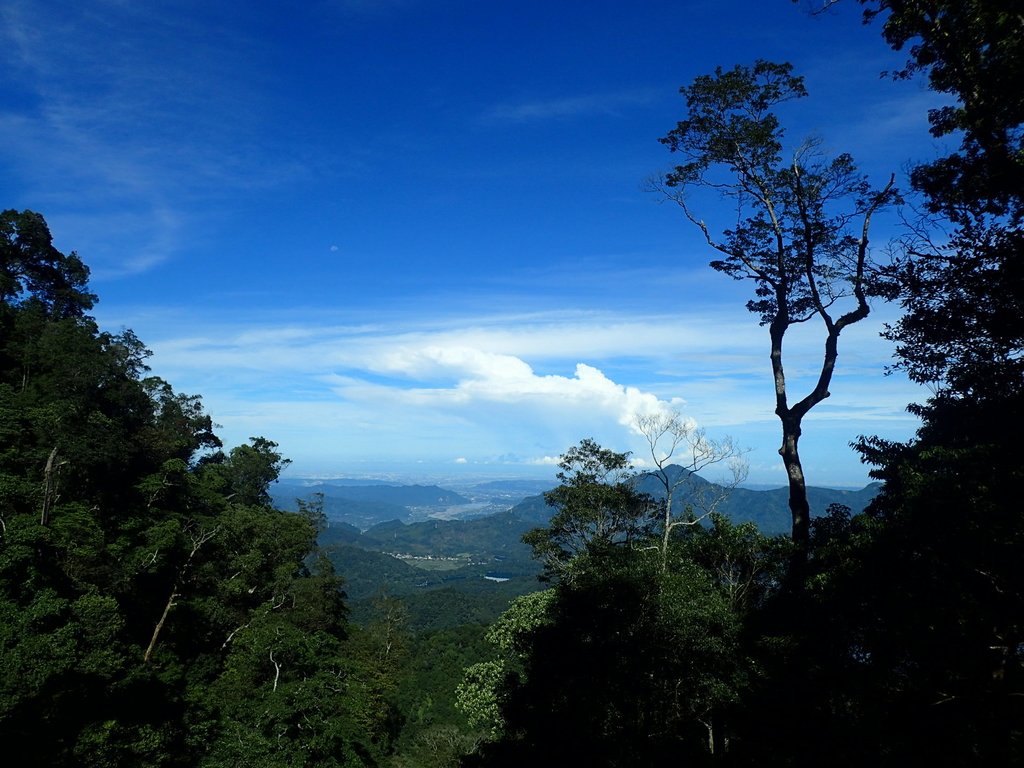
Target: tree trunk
(160, 625)
(791, 418)
(668, 528)
(49, 486)
(798, 505)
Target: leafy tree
(427, 695)
(597, 509)
(484, 685)
(441, 746)
(629, 666)
(946, 527)
(631, 658)
(906, 645)
(740, 560)
(971, 51)
(154, 608)
(286, 694)
(33, 271)
(252, 469)
(963, 293)
(933, 599)
(802, 227)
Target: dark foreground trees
(154, 608)
(909, 644)
(904, 643)
(962, 282)
(950, 520)
(631, 658)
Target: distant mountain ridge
(769, 510)
(387, 493)
(367, 505)
(379, 552)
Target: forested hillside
(155, 609)
(478, 564)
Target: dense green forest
(157, 608)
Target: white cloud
(547, 461)
(483, 388)
(486, 378)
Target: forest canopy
(154, 608)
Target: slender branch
(277, 669)
(234, 632)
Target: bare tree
(675, 441)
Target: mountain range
(448, 553)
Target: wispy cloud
(565, 107)
(128, 122)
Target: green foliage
(597, 507)
(793, 238)
(482, 693)
(524, 615)
(740, 560)
(433, 666)
(442, 746)
(963, 291)
(971, 50)
(731, 121)
(632, 666)
(251, 469)
(942, 544)
(154, 608)
(287, 696)
(634, 660)
(939, 614)
(33, 272)
(477, 696)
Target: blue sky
(412, 235)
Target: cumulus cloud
(486, 377)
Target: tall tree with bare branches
(801, 231)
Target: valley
(453, 555)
